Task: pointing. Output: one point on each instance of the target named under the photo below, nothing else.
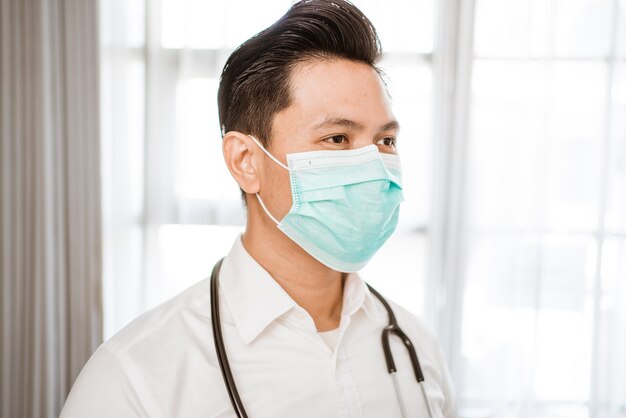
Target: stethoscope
(392, 328)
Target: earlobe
(236, 148)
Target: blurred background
(512, 238)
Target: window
(512, 239)
(545, 211)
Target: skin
(323, 91)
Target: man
(309, 136)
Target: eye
(337, 139)
(388, 141)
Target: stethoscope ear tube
(219, 346)
(414, 361)
(393, 328)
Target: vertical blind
(50, 241)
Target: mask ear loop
(277, 162)
(268, 153)
(265, 209)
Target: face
(336, 105)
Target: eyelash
(392, 144)
(393, 141)
(330, 139)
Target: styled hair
(255, 82)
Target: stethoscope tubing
(220, 349)
(391, 329)
(394, 328)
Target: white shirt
(330, 337)
(163, 364)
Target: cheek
(276, 190)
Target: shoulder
(431, 355)
(414, 326)
(164, 321)
(422, 337)
(142, 357)
(103, 389)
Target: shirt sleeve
(103, 389)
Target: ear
(239, 150)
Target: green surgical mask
(345, 203)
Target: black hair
(255, 81)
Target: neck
(315, 287)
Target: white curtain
(543, 212)
(50, 248)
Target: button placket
(350, 405)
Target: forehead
(335, 88)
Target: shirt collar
(356, 295)
(255, 299)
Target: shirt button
(299, 315)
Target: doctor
(309, 135)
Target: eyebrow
(354, 125)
